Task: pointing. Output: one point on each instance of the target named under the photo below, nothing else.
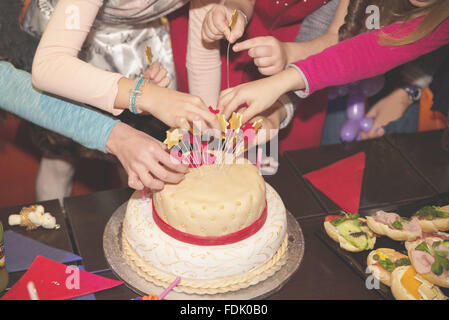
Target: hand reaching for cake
(144, 158)
(258, 96)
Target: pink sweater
(363, 56)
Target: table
(396, 172)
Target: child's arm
(139, 153)
(57, 69)
(357, 58)
(203, 60)
(272, 56)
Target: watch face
(413, 91)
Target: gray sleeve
(317, 23)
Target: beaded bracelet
(133, 95)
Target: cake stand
(112, 245)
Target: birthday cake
(221, 229)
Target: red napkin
(341, 181)
(56, 281)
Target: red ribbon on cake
(211, 240)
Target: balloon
(366, 124)
(372, 86)
(356, 107)
(350, 130)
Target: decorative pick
(224, 124)
(233, 19)
(169, 288)
(149, 54)
(236, 121)
(257, 125)
(173, 138)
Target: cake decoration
(233, 20)
(149, 54)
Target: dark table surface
(396, 172)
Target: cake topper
(236, 121)
(149, 54)
(233, 20)
(173, 138)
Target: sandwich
(350, 231)
(394, 226)
(383, 261)
(407, 284)
(433, 218)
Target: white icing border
(169, 255)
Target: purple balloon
(356, 107)
(372, 86)
(350, 130)
(366, 124)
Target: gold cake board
(275, 273)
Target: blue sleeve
(83, 125)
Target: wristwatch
(414, 92)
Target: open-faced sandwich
(406, 284)
(382, 262)
(433, 218)
(350, 231)
(430, 258)
(393, 226)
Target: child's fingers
(155, 68)
(224, 99)
(158, 77)
(165, 82)
(248, 44)
(263, 62)
(269, 71)
(233, 105)
(260, 52)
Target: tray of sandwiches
(401, 251)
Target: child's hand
(216, 25)
(269, 54)
(177, 109)
(387, 110)
(144, 158)
(157, 75)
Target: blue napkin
(20, 252)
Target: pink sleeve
(56, 67)
(363, 57)
(203, 63)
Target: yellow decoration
(149, 54)
(164, 21)
(223, 123)
(173, 138)
(236, 121)
(257, 125)
(233, 20)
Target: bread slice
(427, 290)
(383, 229)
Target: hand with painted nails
(216, 25)
(269, 54)
(145, 159)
